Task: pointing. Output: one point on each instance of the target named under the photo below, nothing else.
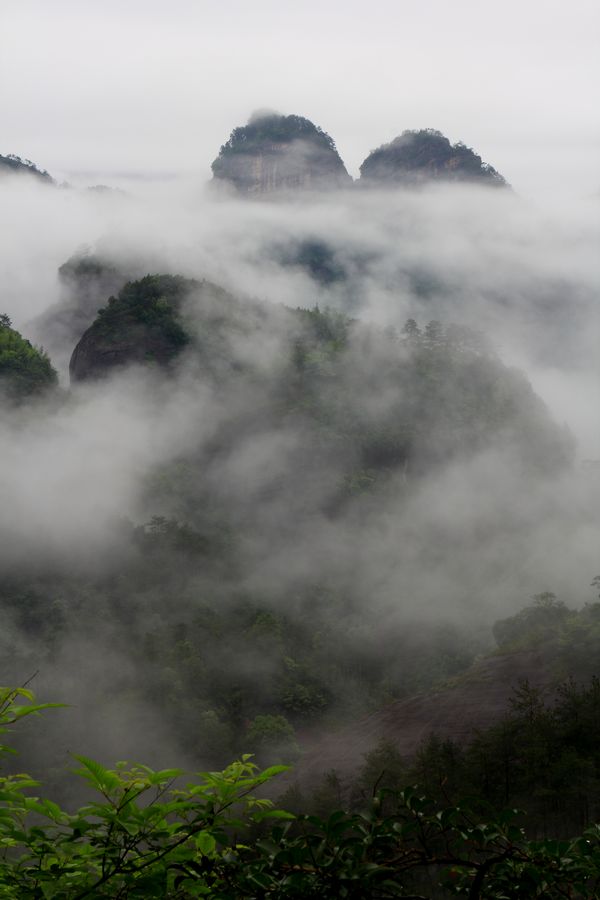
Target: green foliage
(25, 371)
(12, 711)
(540, 621)
(272, 736)
(152, 301)
(145, 836)
(544, 756)
(572, 636)
(384, 769)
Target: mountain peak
(277, 153)
(14, 165)
(415, 157)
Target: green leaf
(101, 778)
(164, 775)
(273, 770)
(271, 814)
(206, 843)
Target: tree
(411, 329)
(434, 331)
(272, 736)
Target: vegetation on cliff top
(269, 128)
(417, 156)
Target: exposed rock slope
(474, 701)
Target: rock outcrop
(150, 322)
(140, 325)
(275, 153)
(417, 157)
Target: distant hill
(86, 280)
(25, 371)
(275, 153)
(416, 157)
(14, 165)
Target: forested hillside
(323, 421)
(25, 371)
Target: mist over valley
(300, 449)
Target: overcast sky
(155, 86)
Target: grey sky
(142, 85)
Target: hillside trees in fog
(25, 370)
(350, 418)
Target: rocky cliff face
(417, 157)
(274, 153)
